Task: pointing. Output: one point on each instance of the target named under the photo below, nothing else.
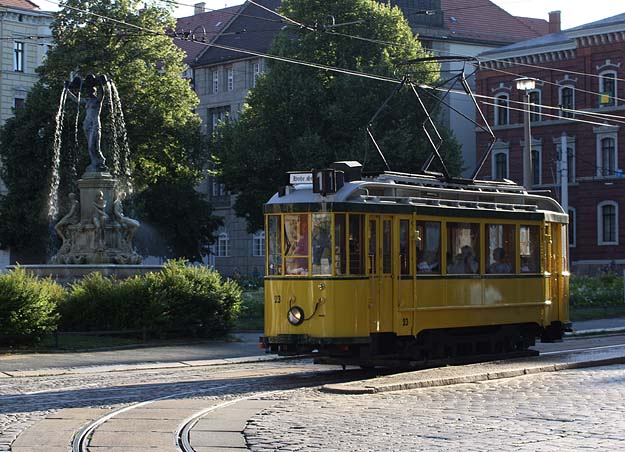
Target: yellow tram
(411, 267)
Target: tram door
(380, 272)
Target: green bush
(604, 290)
(181, 299)
(27, 306)
(196, 298)
(107, 304)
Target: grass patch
(252, 314)
(596, 312)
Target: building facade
(223, 78)
(577, 105)
(24, 40)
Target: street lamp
(527, 84)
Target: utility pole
(526, 85)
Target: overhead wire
(290, 60)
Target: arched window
(501, 110)
(567, 101)
(607, 89)
(607, 160)
(607, 223)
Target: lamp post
(527, 84)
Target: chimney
(554, 21)
(201, 7)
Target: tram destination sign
(300, 178)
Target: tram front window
(339, 244)
(274, 246)
(296, 244)
(321, 244)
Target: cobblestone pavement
(577, 410)
(26, 401)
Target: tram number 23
(404, 321)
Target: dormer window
(501, 110)
(607, 89)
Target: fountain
(96, 234)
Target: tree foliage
(166, 146)
(298, 117)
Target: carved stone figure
(99, 219)
(128, 225)
(91, 124)
(72, 217)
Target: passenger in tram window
(464, 262)
(499, 265)
(429, 263)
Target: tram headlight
(296, 315)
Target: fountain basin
(66, 274)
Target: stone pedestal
(101, 234)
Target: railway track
(181, 430)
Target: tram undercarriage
(429, 348)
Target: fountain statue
(95, 229)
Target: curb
(343, 388)
(142, 366)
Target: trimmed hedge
(180, 301)
(27, 306)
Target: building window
(230, 74)
(223, 245)
(215, 82)
(500, 165)
(536, 167)
(18, 56)
(216, 116)
(18, 103)
(534, 106)
(258, 244)
(255, 72)
(607, 157)
(570, 164)
(572, 226)
(567, 101)
(219, 189)
(607, 89)
(607, 222)
(501, 110)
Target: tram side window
(463, 247)
(428, 247)
(404, 247)
(296, 244)
(321, 244)
(274, 245)
(356, 255)
(340, 265)
(530, 249)
(500, 248)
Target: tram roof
(427, 191)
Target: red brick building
(579, 94)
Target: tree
(298, 118)
(167, 149)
